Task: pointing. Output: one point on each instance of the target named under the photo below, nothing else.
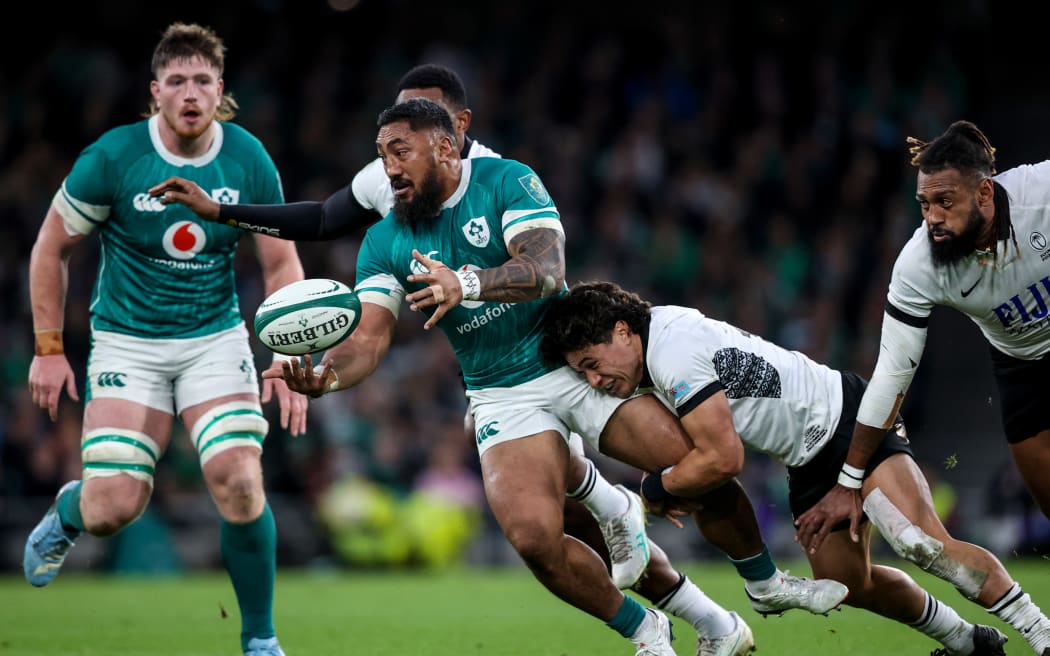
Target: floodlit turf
(484, 612)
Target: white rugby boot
(737, 642)
(817, 596)
(627, 543)
(655, 639)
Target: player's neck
(187, 147)
(987, 240)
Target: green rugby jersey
(163, 272)
(497, 344)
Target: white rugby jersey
(783, 403)
(372, 188)
(1008, 299)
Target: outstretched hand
(188, 193)
(814, 525)
(292, 405)
(301, 377)
(443, 289)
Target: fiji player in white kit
(166, 330)
(731, 389)
(982, 249)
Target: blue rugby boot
(48, 544)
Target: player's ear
(985, 193)
(463, 117)
(446, 148)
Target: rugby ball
(308, 316)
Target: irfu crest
(477, 231)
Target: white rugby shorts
(560, 401)
(171, 374)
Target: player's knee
(109, 503)
(537, 546)
(912, 543)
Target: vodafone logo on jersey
(183, 240)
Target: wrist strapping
(470, 284)
(653, 487)
(332, 386)
(48, 342)
(851, 477)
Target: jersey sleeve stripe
(513, 217)
(82, 217)
(698, 398)
(383, 290)
(905, 318)
(511, 233)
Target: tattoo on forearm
(536, 268)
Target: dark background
(745, 158)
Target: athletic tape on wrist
(653, 487)
(470, 284)
(332, 386)
(48, 342)
(851, 477)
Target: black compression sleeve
(336, 217)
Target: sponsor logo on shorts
(488, 430)
(111, 379)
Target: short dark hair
(586, 315)
(962, 147)
(421, 113)
(184, 41)
(436, 76)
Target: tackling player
(730, 389)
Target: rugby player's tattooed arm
(536, 268)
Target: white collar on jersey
(464, 181)
(175, 160)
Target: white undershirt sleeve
(900, 350)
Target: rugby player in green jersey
(167, 336)
(495, 221)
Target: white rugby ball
(308, 316)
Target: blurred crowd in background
(747, 159)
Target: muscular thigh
(525, 479)
(1033, 462)
(842, 559)
(644, 433)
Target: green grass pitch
(501, 612)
